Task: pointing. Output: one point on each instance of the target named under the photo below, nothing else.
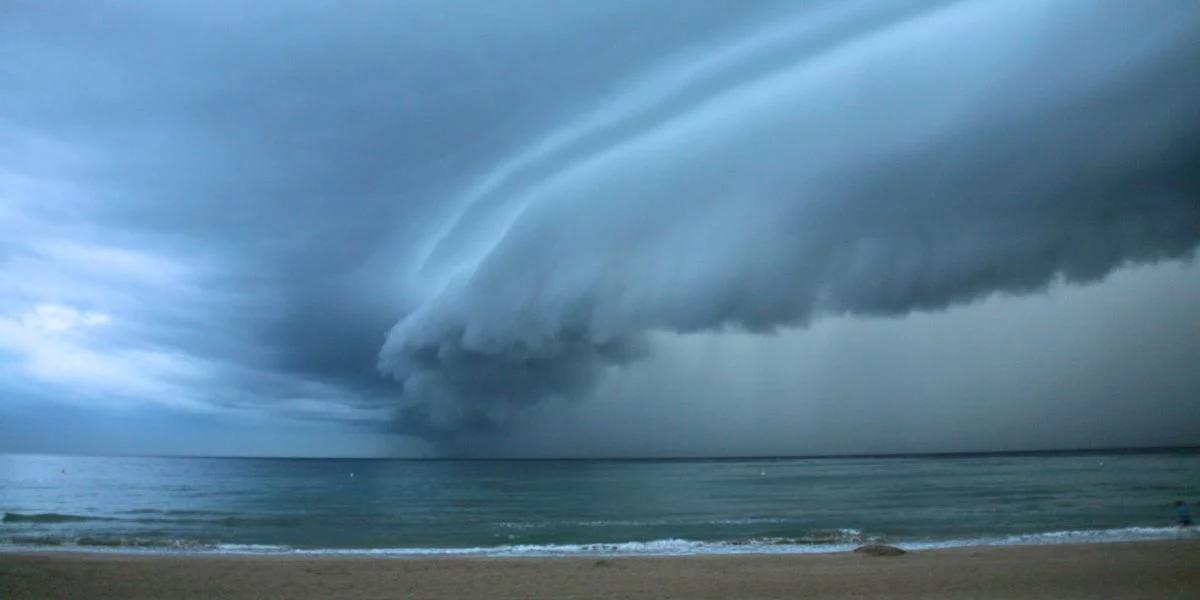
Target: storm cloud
(975, 149)
(424, 221)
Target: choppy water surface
(601, 507)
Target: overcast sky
(619, 228)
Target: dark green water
(549, 507)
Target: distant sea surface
(413, 507)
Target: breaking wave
(817, 542)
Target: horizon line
(686, 458)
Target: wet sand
(1167, 569)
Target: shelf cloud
(411, 227)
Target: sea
(589, 507)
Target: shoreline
(1150, 569)
(651, 548)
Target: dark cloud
(498, 204)
(926, 164)
(294, 142)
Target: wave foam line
(664, 547)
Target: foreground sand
(1128, 570)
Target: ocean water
(413, 507)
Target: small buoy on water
(352, 474)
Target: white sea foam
(664, 547)
(1086, 536)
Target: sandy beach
(1169, 569)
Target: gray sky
(612, 228)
